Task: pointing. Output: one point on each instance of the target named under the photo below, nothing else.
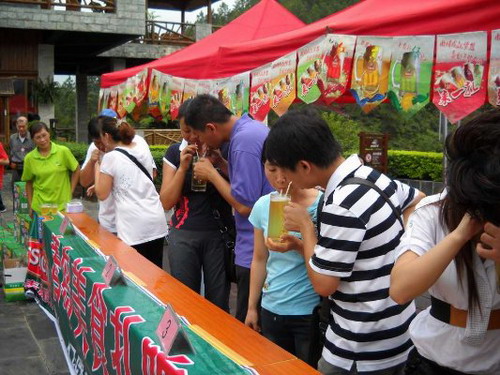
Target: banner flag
(494, 76)
(190, 89)
(239, 90)
(164, 94)
(310, 61)
(103, 100)
(154, 93)
(283, 90)
(120, 106)
(204, 86)
(260, 103)
(459, 82)
(176, 89)
(411, 72)
(141, 88)
(338, 51)
(370, 73)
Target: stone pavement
(28, 339)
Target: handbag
(228, 233)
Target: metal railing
(96, 6)
(164, 32)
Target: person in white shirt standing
(451, 248)
(126, 172)
(95, 152)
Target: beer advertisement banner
(239, 91)
(411, 72)
(370, 73)
(221, 90)
(459, 82)
(129, 95)
(154, 93)
(338, 53)
(112, 329)
(113, 98)
(310, 61)
(190, 89)
(141, 88)
(164, 80)
(283, 91)
(120, 106)
(176, 90)
(260, 101)
(103, 100)
(494, 76)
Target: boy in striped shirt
(351, 258)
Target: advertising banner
(283, 90)
(494, 76)
(411, 72)
(370, 73)
(260, 100)
(459, 82)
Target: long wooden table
(260, 353)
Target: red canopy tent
(369, 17)
(198, 60)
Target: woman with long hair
(450, 249)
(50, 170)
(126, 172)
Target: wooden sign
(373, 150)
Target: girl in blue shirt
(288, 298)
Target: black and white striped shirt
(358, 237)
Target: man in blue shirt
(214, 124)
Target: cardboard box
(13, 281)
(20, 198)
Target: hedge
(402, 164)
(416, 165)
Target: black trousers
(152, 250)
(419, 365)
(243, 284)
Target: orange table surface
(262, 354)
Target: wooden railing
(164, 32)
(96, 6)
(162, 136)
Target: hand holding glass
(276, 225)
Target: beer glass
(45, 209)
(276, 225)
(197, 185)
(54, 208)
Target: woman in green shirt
(47, 171)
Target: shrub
(416, 165)
(79, 150)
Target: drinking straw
(288, 188)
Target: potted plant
(45, 91)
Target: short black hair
(204, 109)
(301, 135)
(94, 128)
(36, 127)
(183, 108)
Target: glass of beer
(276, 225)
(45, 209)
(54, 208)
(197, 185)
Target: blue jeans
(291, 332)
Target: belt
(451, 315)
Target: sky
(173, 16)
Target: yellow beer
(54, 208)
(276, 225)
(45, 209)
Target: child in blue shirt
(288, 298)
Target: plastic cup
(197, 185)
(54, 208)
(276, 225)
(45, 209)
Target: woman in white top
(451, 248)
(140, 218)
